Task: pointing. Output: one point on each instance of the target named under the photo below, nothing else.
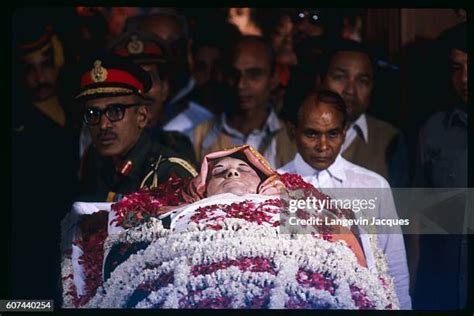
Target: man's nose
(303, 25)
(464, 74)
(232, 173)
(322, 144)
(105, 123)
(349, 88)
(242, 82)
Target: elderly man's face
(231, 175)
(350, 74)
(251, 75)
(112, 136)
(459, 74)
(40, 76)
(320, 133)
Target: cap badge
(135, 46)
(98, 73)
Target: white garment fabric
(186, 121)
(343, 174)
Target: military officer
(154, 55)
(122, 158)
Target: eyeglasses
(313, 16)
(114, 112)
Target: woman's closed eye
(244, 168)
(218, 170)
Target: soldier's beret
(107, 75)
(141, 47)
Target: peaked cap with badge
(109, 75)
(148, 162)
(141, 47)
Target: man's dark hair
(337, 46)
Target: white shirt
(351, 134)
(186, 121)
(341, 174)
(344, 175)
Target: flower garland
(243, 265)
(68, 287)
(249, 211)
(231, 261)
(94, 234)
(137, 207)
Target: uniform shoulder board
(183, 163)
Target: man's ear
(142, 116)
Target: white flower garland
(67, 281)
(179, 251)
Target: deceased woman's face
(231, 175)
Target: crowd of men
(100, 113)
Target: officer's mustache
(106, 135)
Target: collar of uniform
(456, 116)
(138, 154)
(271, 125)
(335, 170)
(362, 123)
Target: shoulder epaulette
(183, 163)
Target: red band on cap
(114, 76)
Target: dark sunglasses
(114, 112)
